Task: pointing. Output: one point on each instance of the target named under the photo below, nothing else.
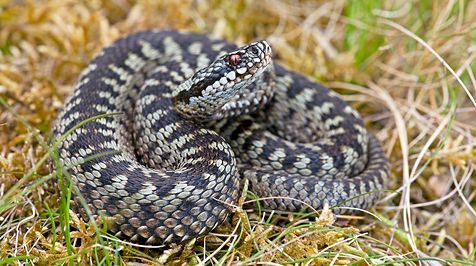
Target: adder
(189, 118)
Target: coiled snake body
(165, 175)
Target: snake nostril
(254, 50)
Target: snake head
(209, 89)
(246, 62)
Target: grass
(407, 66)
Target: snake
(163, 127)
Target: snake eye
(235, 59)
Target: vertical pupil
(235, 59)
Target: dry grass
(407, 66)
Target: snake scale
(190, 118)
